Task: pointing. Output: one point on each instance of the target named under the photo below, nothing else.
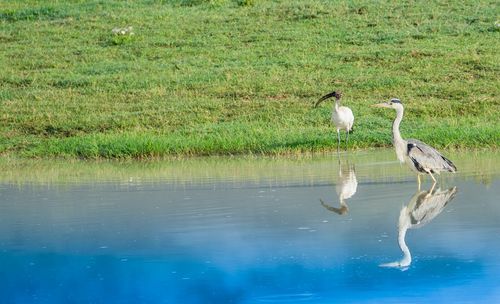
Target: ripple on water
(288, 298)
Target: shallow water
(249, 231)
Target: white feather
(342, 118)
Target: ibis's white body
(342, 118)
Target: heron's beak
(381, 105)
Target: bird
(420, 157)
(345, 188)
(342, 116)
(423, 207)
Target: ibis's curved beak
(381, 105)
(317, 103)
(324, 98)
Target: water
(249, 231)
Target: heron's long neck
(396, 135)
(397, 140)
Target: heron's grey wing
(427, 159)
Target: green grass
(212, 77)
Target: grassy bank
(230, 77)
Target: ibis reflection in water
(346, 187)
(423, 207)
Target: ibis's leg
(347, 139)
(338, 139)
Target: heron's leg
(432, 177)
(418, 180)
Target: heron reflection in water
(423, 207)
(346, 187)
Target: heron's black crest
(395, 100)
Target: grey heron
(346, 187)
(420, 157)
(342, 117)
(423, 207)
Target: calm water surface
(309, 230)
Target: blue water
(255, 241)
